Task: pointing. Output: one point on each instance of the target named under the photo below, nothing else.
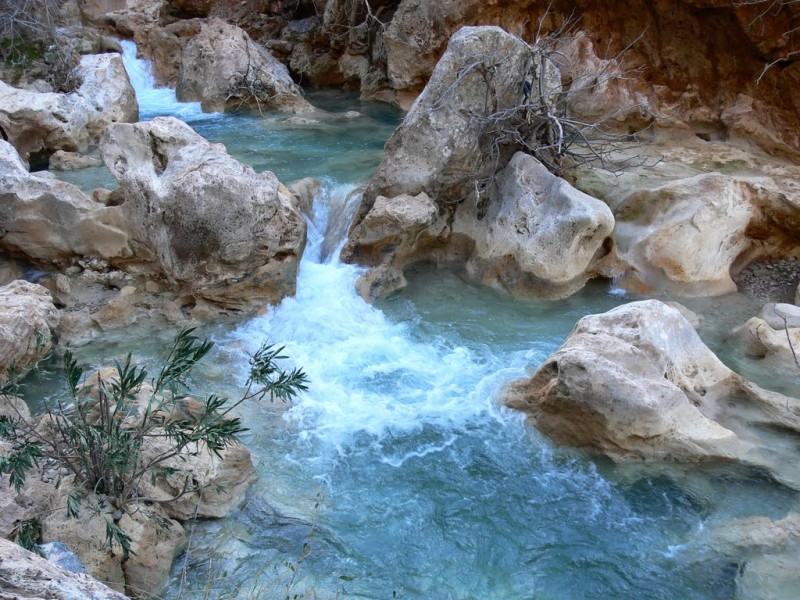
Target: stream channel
(398, 475)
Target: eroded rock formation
(638, 383)
(40, 123)
(51, 222)
(26, 575)
(206, 223)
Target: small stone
(128, 290)
(152, 287)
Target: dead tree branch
(541, 122)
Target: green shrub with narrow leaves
(99, 432)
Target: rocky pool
(397, 475)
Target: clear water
(333, 143)
(397, 474)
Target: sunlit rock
(638, 383)
(686, 236)
(539, 237)
(206, 223)
(50, 221)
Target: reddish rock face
(694, 57)
(699, 61)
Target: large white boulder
(38, 123)
(540, 236)
(200, 219)
(638, 383)
(684, 236)
(224, 69)
(50, 221)
(438, 148)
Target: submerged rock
(638, 383)
(224, 69)
(208, 224)
(26, 575)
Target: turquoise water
(397, 475)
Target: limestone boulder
(437, 149)
(51, 222)
(540, 236)
(223, 68)
(156, 541)
(30, 576)
(638, 383)
(684, 236)
(38, 123)
(222, 480)
(695, 215)
(379, 282)
(35, 498)
(391, 230)
(85, 535)
(27, 315)
(107, 91)
(206, 223)
(536, 236)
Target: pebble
(770, 281)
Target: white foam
(368, 375)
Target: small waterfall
(371, 376)
(156, 101)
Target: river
(397, 475)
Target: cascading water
(397, 474)
(155, 101)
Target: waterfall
(156, 101)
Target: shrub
(99, 432)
